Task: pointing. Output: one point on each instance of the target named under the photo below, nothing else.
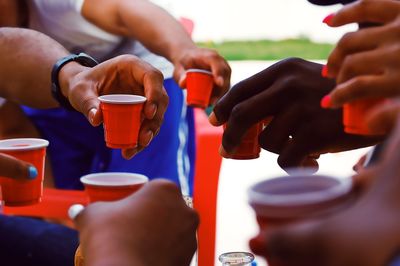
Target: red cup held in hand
(24, 192)
(249, 147)
(355, 115)
(199, 85)
(122, 119)
(112, 186)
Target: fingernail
(32, 172)
(150, 135)
(213, 120)
(92, 114)
(223, 152)
(326, 101)
(328, 19)
(153, 110)
(324, 71)
(75, 210)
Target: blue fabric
(30, 242)
(395, 261)
(76, 148)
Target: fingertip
(223, 152)
(326, 102)
(214, 120)
(182, 81)
(219, 81)
(128, 154)
(151, 110)
(328, 19)
(94, 117)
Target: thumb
(86, 101)
(180, 75)
(16, 169)
(384, 117)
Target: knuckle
(238, 114)
(292, 62)
(345, 41)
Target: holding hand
(206, 59)
(17, 169)
(366, 63)
(290, 92)
(123, 74)
(152, 227)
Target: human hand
(206, 59)
(352, 236)
(366, 63)
(290, 91)
(151, 227)
(16, 169)
(122, 74)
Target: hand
(16, 169)
(122, 74)
(290, 91)
(206, 59)
(384, 117)
(366, 63)
(365, 234)
(152, 227)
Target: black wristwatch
(83, 59)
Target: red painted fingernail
(326, 101)
(324, 72)
(328, 19)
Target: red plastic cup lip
(114, 179)
(196, 70)
(122, 99)
(305, 190)
(22, 144)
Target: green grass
(270, 50)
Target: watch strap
(83, 59)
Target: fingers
(154, 91)
(249, 112)
(242, 91)
(16, 169)
(369, 86)
(372, 11)
(350, 43)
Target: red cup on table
(355, 114)
(112, 186)
(249, 147)
(24, 192)
(283, 200)
(121, 119)
(199, 85)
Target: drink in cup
(249, 147)
(236, 259)
(199, 85)
(24, 192)
(112, 186)
(355, 114)
(287, 199)
(122, 119)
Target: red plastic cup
(24, 192)
(199, 85)
(121, 119)
(355, 114)
(112, 186)
(249, 147)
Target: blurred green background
(271, 50)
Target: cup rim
(197, 70)
(122, 99)
(343, 187)
(138, 179)
(33, 144)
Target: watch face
(330, 2)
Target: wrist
(67, 74)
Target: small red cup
(249, 147)
(355, 114)
(24, 192)
(199, 85)
(283, 200)
(112, 186)
(121, 119)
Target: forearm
(142, 20)
(26, 61)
